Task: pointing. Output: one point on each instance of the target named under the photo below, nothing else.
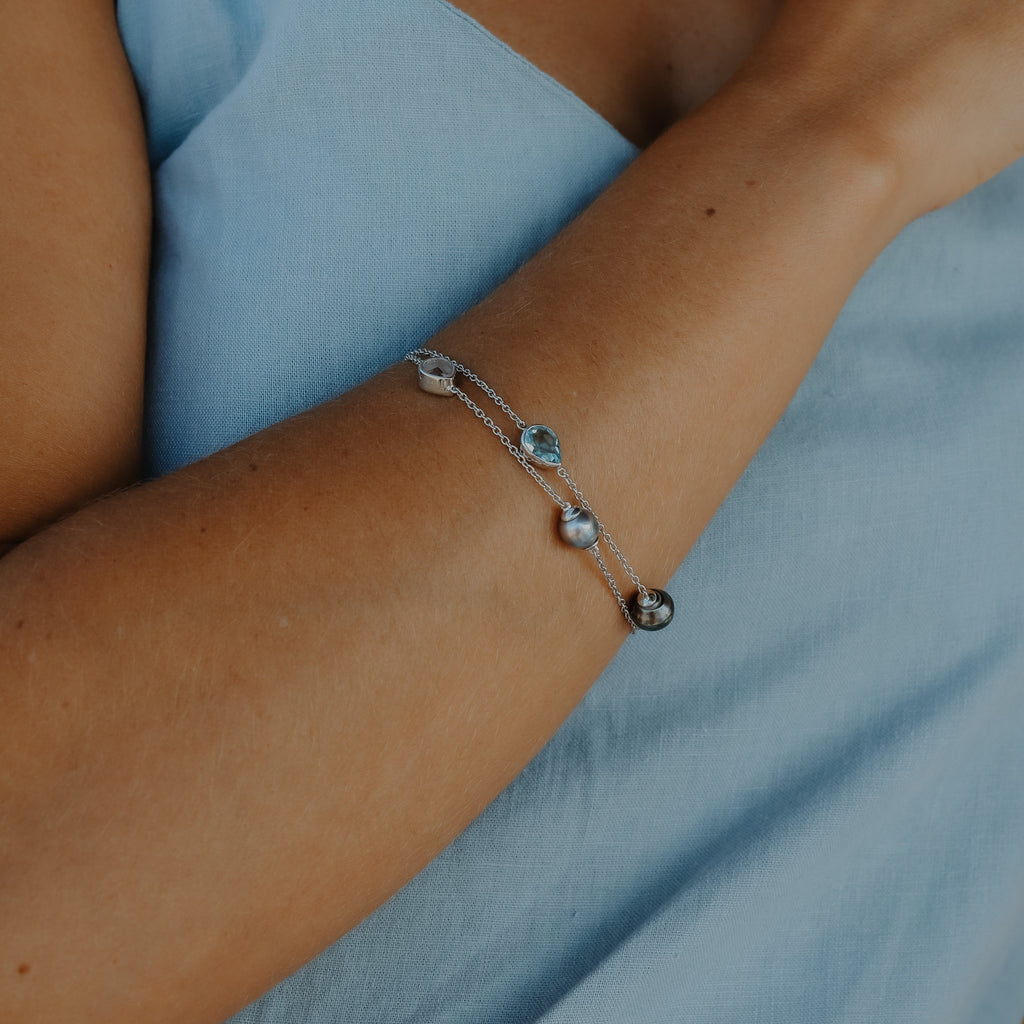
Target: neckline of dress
(561, 87)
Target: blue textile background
(804, 802)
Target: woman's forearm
(245, 703)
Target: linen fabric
(802, 802)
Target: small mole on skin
(202, 529)
(711, 211)
(65, 703)
(751, 184)
(24, 968)
(253, 466)
(19, 624)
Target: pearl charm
(655, 612)
(579, 528)
(437, 375)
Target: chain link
(596, 552)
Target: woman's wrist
(841, 149)
(926, 98)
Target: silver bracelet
(539, 448)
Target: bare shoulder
(74, 253)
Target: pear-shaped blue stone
(540, 445)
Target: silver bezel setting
(437, 375)
(536, 460)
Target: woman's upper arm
(74, 255)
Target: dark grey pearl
(579, 527)
(655, 613)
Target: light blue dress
(802, 803)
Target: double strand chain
(580, 525)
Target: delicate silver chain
(469, 375)
(417, 355)
(596, 552)
(512, 448)
(604, 533)
(562, 472)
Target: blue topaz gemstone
(540, 445)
